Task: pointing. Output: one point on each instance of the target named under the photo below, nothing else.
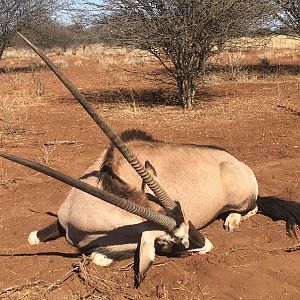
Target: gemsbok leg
(51, 232)
(233, 220)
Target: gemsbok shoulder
(156, 196)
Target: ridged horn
(159, 192)
(166, 222)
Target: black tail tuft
(280, 209)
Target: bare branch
(22, 14)
(182, 35)
(289, 17)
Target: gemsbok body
(156, 195)
(206, 180)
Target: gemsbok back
(138, 215)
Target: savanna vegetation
(244, 95)
(182, 35)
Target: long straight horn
(166, 222)
(159, 192)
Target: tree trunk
(186, 92)
(2, 47)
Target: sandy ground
(254, 117)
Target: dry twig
(290, 109)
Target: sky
(78, 7)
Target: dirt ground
(255, 116)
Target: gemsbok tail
(280, 209)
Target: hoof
(33, 238)
(100, 259)
(232, 222)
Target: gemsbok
(138, 215)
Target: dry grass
(106, 54)
(284, 42)
(14, 106)
(113, 63)
(47, 154)
(24, 90)
(280, 42)
(29, 85)
(274, 49)
(13, 114)
(21, 92)
(89, 285)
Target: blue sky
(79, 5)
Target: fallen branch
(13, 289)
(41, 287)
(285, 249)
(62, 143)
(292, 248)
(292, 110)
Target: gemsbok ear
(144, 255)
(152, 171)
(150, 168)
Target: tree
(289, 17)
(182, 34)
(21, 14)
(50, 33)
